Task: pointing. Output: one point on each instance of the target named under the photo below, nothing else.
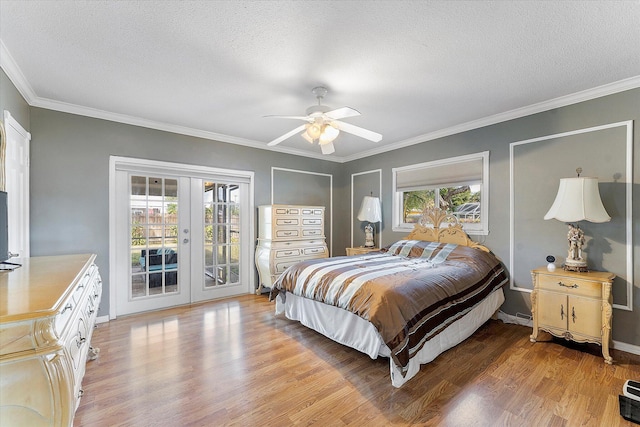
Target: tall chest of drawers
(287, 234)
(48, 310)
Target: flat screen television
(4, 228)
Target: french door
(17, 185)
(180, 238)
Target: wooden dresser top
(39, 287)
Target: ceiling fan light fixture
(314, 130)
(327, 148)
(323, 125)
(307, 138)
(329, 133)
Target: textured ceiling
(414, 69)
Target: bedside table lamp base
(579, 266)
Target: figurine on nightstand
(576, 241)
(368, 236)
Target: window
(459, 185)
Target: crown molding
(14, 73)
(8, 64)
(166, 127)
(563, 101)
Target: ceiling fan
(323, 124)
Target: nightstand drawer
(570, 285)
(360, 250)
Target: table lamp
(370, 212)
(578, 199)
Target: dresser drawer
(282, 266)
(318, 250)
(311, 211)
(570, 285)
(63, 317)
(312, 232)
(287, 233)
(287, 221)
(311, 221)
(287, 253)
(287, 211)
(80, 289)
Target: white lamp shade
(578, 199)
(370, 210)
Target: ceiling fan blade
(327, 148)
(358, 131)
(285, 136)
(289, 117)
(341, 113)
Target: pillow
(419, 249)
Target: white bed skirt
(355, 332)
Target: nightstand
(360, 250)
(575, 306)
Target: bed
(409, 302)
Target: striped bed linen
(409, 291)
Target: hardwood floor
(232, 362)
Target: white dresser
(48, 309)
(287, 234)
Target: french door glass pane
(222, 233)
(154, 236)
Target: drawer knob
(567, 286)
(67, 307)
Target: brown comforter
(409, 291)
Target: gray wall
(609, 249)
(70, 177)
(11, 100)
(70, 160)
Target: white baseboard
(629, 348)
(102, 319)
(524, 321)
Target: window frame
(481, 228)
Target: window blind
(438, 176)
